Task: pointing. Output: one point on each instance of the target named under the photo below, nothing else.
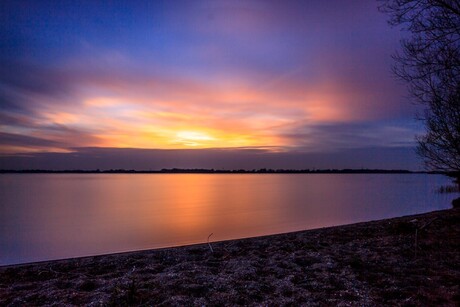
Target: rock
(456, 203)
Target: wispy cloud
(298, 76)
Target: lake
(54, 216)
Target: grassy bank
(410, 260)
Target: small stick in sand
(210, 247)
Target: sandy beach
(410, 260)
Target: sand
(410, 260)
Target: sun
(194, 138)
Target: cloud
(298, 76)
(9, 139)
(150, 159)
(55, 138)
(112, 108)
(339, 136)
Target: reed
(449, 189)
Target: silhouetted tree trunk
(430, 63)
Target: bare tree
(430, 64)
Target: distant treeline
(217, 171)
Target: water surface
(53, 216)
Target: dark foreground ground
(375, 263)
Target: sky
(201, 84)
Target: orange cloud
(180, 113)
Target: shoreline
(358, 264)
(159, 249)
(202, 244)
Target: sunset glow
(208, 75)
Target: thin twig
(210, 247)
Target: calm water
(51, 216)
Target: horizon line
(225, 171)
